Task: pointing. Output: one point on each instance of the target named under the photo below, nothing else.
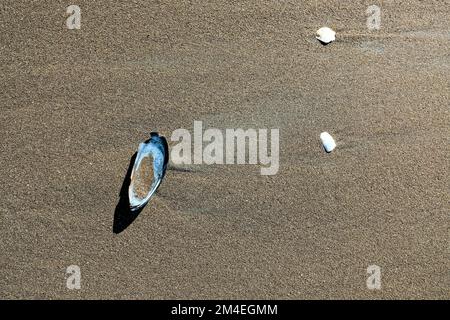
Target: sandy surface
(76, 103)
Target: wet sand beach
(75, 104)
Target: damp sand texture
(75, 104)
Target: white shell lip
(158, 148)
(325, 35)
(327, 141)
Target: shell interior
(148, 171)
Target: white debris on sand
(325, 35)
(327, 141)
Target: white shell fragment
(327, 141)
(148, 170)
(325, 35)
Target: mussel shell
(157, 148)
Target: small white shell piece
(327, 141)
(325, 35)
